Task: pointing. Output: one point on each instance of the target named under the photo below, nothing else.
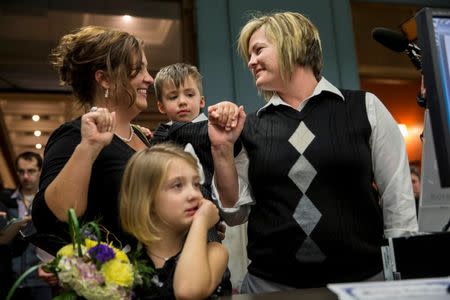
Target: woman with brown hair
(85, 158)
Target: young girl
(162, 206)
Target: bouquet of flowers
(91, 268)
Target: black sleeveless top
(162, 282)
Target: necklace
(129, 138)
(158, 256)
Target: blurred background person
(5, 255)
(17, 206)
(2, 186)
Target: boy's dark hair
(176, 74)
(28, 155)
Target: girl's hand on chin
(207, 212)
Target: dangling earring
(106, 93)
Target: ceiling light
(38, 146)
(35, 118)
(37, 133)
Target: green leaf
(66, 295)
(75, 230)
(52, 266)
(142, 267)
(20, 279)
(93, 226)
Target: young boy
(179, 94)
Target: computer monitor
(433, 32)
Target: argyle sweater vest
(316, 218)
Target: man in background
(17, 206)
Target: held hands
(225, 123)
(97, 127)
(207, 213)
(224, 114)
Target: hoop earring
(106, 93)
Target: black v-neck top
(103, 193)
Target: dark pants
(6, 280)
(33, 293)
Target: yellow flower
(120, 255)
(90, 243)
(118, 272)
(69, 251)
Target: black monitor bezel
(434, 89)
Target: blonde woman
(310, 157)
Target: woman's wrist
(88, 150)
(222, 150)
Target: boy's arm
(209, 260)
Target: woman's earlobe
(101, 79)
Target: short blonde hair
(144, 175)
(176, 74)
(295, 37)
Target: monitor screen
(433, 32)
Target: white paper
(427, 289)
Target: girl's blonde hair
(89, 49)
(295, 37)
(144, 175)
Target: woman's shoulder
(71, 128)
(74, 125)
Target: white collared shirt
(199, 118)
(390, 168)
(322, 85)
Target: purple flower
(101, 253)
